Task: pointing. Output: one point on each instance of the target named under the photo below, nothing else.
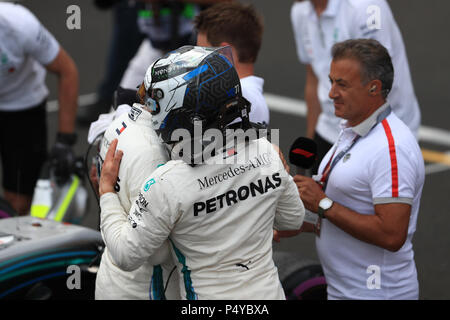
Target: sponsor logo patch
(134, 113)
(233, 196)
(148, 184)
(346, 157)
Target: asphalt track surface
(424, 25)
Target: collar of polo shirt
(364, 127)
(331, 10)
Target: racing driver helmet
(193, 84)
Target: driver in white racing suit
(219, 215)
(141, 145)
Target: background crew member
(219, 217)
(149, 51)
(125, 41)
(241, 27)
(26, 50)
(372, 183)
(317, 25)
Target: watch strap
(321, 213)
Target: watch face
(325, 203)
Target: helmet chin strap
(197, 150)
(237, 108)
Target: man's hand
(277, 235)
(310, 192)
(110, 169)
(306, 227)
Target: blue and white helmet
(193, 84)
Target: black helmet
(194, 85)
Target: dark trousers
(23, 148)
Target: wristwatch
(324, 205)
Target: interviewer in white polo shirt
(370, 201)
(317, 25)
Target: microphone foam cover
(303, 153)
